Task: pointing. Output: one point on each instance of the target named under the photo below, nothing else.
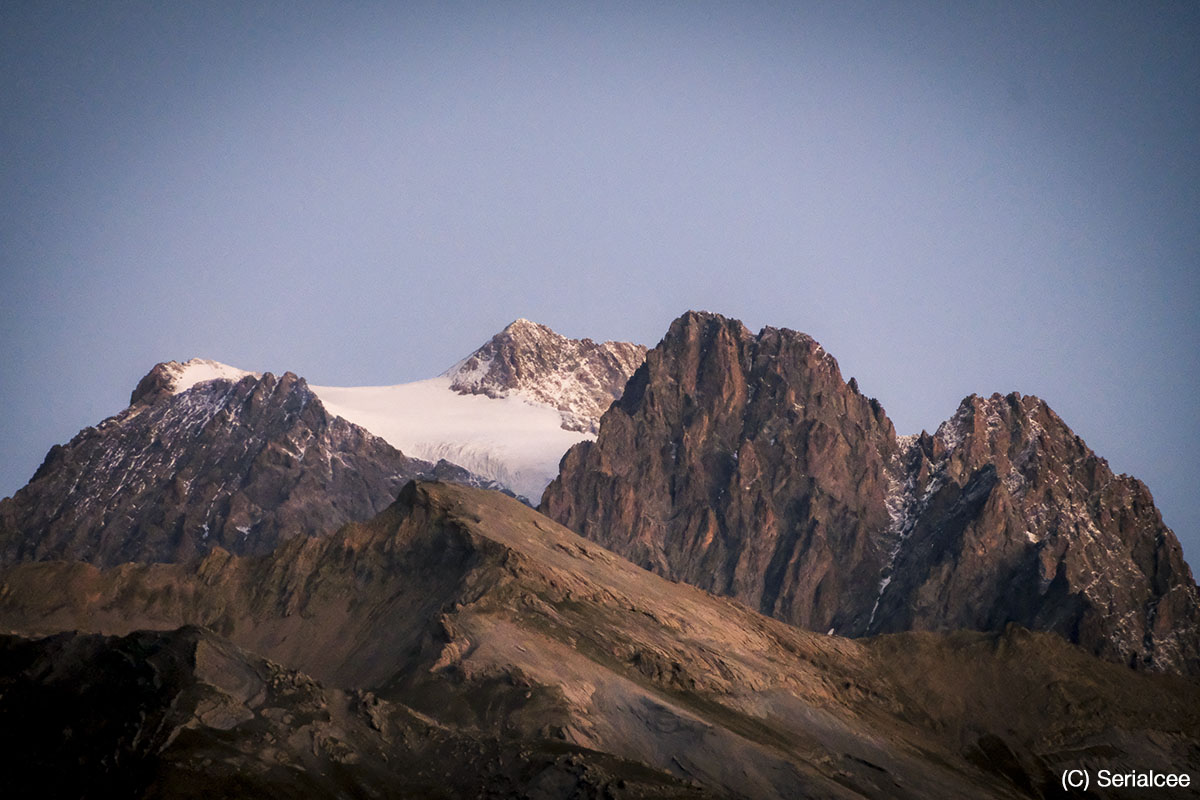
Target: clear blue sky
(952, 198)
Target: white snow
(199, 370)
(509, 439)
(469, 377)
(516, 436)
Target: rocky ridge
(1006, 515)
(493, 624)
(578, 377)
(209, 455)
(235, 460)
(745, 465)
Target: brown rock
(745, 465)
(474, 620)
(240, 465)
(579, 377)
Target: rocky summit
(236, 461)
(746, 465)
(743, 465)
(578, 377)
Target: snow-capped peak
(507, 412)
(198, 370)
(577, 377)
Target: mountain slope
(186, 714)
(745, 465)
(475, 610)
(1008, 516)
(507, 412)
(193, 464)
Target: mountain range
(739, 582)
(212, 455)
(745, 465)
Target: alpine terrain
(506, 412)
(740, 583)
(478, 647)
(745, 465)
(211, 455)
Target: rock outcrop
(1005, 515)
(745, 465)
(187, 714)
(240, 465)
(578, 377)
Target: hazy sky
(952, 198)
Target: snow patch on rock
(577, 377)
(200, 370)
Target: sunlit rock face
(745, 465)
(742, 464)
(578, 377)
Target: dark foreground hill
(187, 714)
(481, 627)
